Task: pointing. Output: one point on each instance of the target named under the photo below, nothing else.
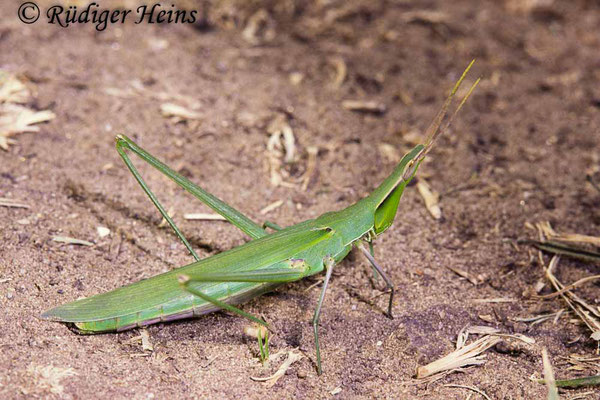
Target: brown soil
(527, 136)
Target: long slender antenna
(434, 131)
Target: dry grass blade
(549, 376)
(463, 335)
(563, 249)
(270, 381)
(204, 217)
(551, 234)
(6, 202)
(584, 311)
(70, 240)
(569, 287)
(467, 355)
(588, 314)
(431, 198)
(538, 319)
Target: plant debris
(6, 202)
(465, 355)
(15, 119)
(280, 152)
(179, 113)
(146, 344)
(102, 231)
(12, 90)
(50, 377)
(270, 381)
(431, 198)
(341, 71)
(575, 382)
(70, 240)
(549, 376)
(271, 207)
(372, 107)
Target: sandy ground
(517, 153)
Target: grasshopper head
(387, 195)
(388, 207)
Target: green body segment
(161, 298)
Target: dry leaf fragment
(179, 112)
(16, 119)
(102, 231)
(146, 343)
(270, 381)
(546, 229)
(431, 198)
(12, 90)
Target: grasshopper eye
(410, 170)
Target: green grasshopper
(258, 266)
